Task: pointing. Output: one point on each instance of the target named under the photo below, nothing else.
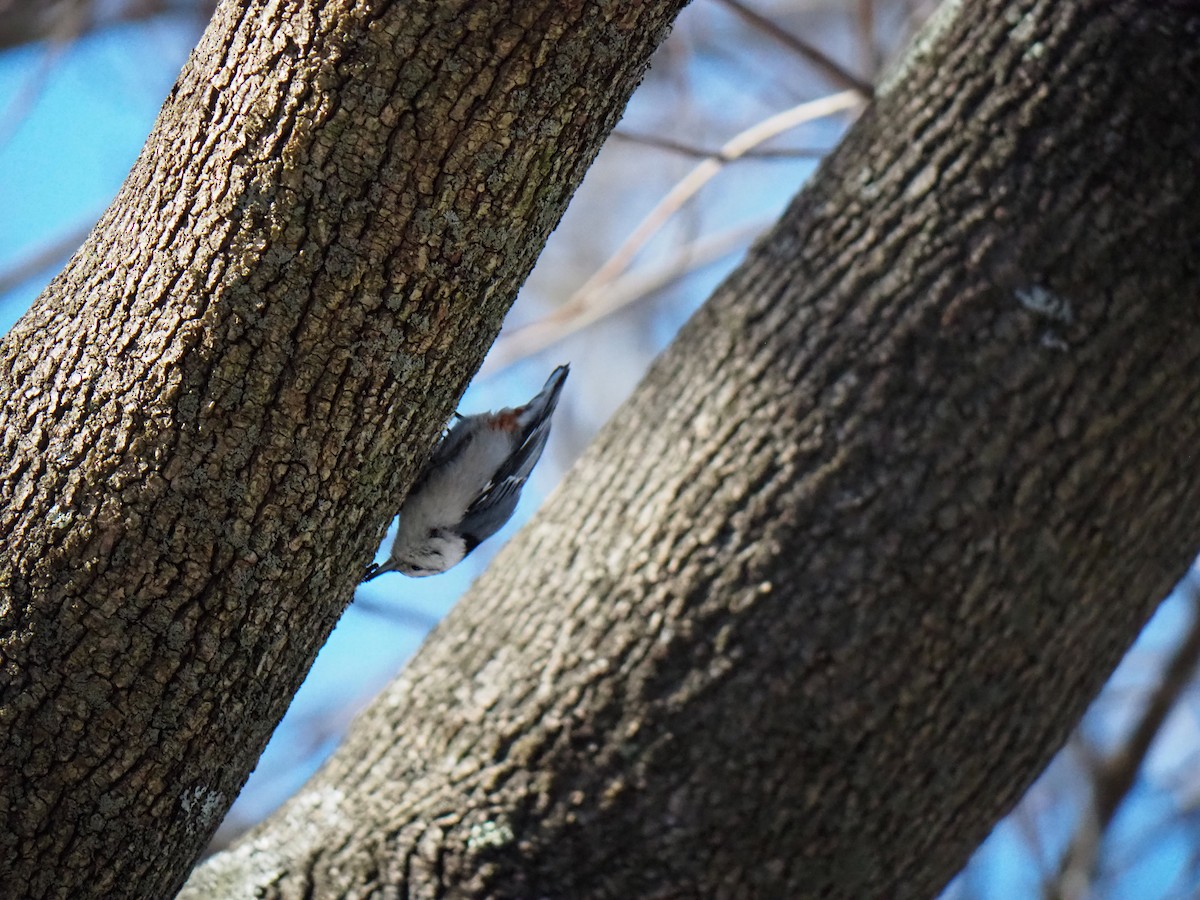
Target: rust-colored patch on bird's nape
(506, 419)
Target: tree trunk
(209, 416)
(827, 594)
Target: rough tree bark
(207, 418)
(833, 586)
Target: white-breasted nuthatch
(471, 485)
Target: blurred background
(740, 105)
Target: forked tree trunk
(827, 594)
(207, 419)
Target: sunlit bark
(208, 417)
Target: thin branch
(13, 116)
(583, 310)
(29, 21)
(832, 69)
(62, 25)
(691, 183)
(683, 149)
(1116, 776)
(867, 45)
(44, 257)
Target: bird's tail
(541, 407)
(533, 422)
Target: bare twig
(684, 149)
(601, 295)
(687, 188)
(28, 21)
(868, 46)
(832, 69)
(43, 258)
(583, 310)
(26, 97)
(1116, 776)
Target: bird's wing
(490, 511)
(498, 500)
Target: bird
(471, 485)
